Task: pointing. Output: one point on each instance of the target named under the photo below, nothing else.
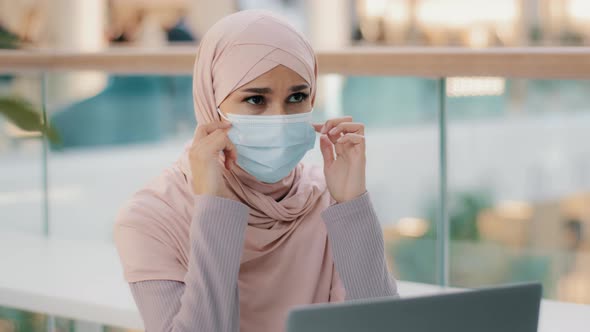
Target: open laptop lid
(512, 308)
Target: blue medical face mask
(270, 146)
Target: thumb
(327, 151)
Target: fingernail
(332, 131)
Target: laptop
(511, 308)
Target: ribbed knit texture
(357, 245)
(208, 300)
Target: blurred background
(515, 179)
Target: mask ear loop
(310, 114)
(222, 116)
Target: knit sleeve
(208, 299)
(358, 248)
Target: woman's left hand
(344, 171)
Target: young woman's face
(280, 91)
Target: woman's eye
(297, 97)
(255, 100)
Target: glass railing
(478, 161)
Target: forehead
(278, 76)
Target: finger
(217, 141)
(327, 149)
(221, 142)
(347, 127)
(334, 122)
(348, 143)
(206, 129)
(227, 161)
(318, 126)
(344, 128)
(231, 154)
(352, 139)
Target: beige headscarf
(286, 258)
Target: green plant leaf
(8, 40)
(26, 117)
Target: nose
(277, 109)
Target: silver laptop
(512, 308)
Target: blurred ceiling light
(398, 12)
(412, 227)
(463, 13)
(514, 210)
(475, 20)
(375, 8)
(436, 13)
(579, 10)
(478, 37)
(475, 86)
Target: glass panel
(118, 132)
(119, 329)
(400, 115)
(13, 320)
(21, 155)
(122, 134)
(519, 179)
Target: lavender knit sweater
(357, 245)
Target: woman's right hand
(208, 141)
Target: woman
(237, 232)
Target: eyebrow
(258, 90)
(263, 91)
(298, 87)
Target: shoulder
(165, 197)
(148, 229)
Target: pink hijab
(286, 258)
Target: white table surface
(83, 280)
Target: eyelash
(302, 94)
